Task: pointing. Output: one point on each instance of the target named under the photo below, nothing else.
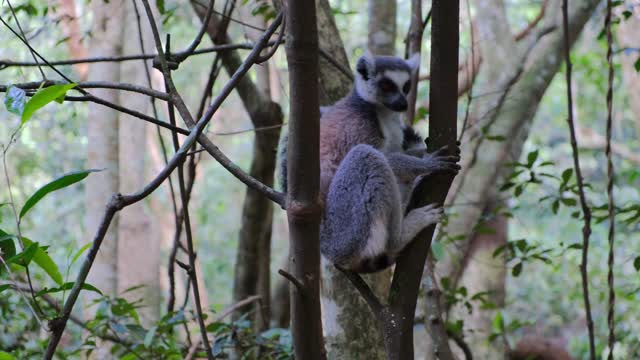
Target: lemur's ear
(414, 62)
(366, 65)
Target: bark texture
(334, 84)
(382, 27)
(303, 178)
(102, 148)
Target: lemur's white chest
(391, 126)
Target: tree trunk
(138, 250)
(382, 27)
(103, 151)
(303, 179)
(71, 29)
(484, 273)
(334, 84)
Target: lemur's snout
(398, 103)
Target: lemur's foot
(442, 161)
(428, 215)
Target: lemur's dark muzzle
(398, 103)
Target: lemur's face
(392, 89)
(385, 80)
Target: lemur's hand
(441, 160)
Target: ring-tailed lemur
(369, 164)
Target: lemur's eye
(406, 87)
(387, 85)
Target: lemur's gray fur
(369, 164)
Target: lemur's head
(385, 80)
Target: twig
(24, 37)
(274, 48)
(530, 26)
(218, 48)
(21, 291)
(203, 28)
(461, 344)
(610, 177)
(91, 85)
(586, 230)
(298, 284)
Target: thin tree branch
(92, 85)
(298, 284)
(610, 178)
(586, 230)
(44, 77)
(218, 48)
(530, 26)
(203, 28)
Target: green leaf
(518, 190)
(566, 175)
(6, 356)
(636, 65)
(215, 326)
(498, 323)
(569, 201)
(25, 257)
(161, 6)
(56, 184)
(43, 97)
(15, 100)
(44, 261)
(148, 338)
(438, 250)
(496, 138)
(7, 246)
(636, 263)
(531, 158)
(67, 286)
(576, 246)
(516, 270)
(4, 287)
(77, 255)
